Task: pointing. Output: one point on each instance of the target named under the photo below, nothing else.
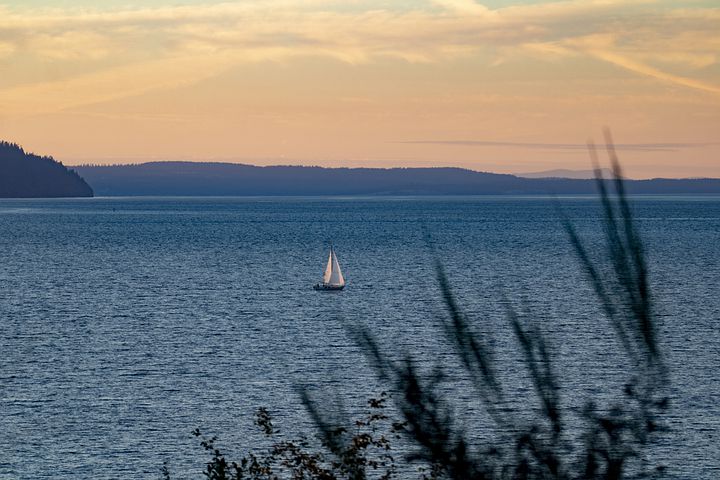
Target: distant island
(25, 175)
(225, 179)
(565, 173)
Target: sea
(127, 323)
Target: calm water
(126, 323)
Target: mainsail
(333, 275)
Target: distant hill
(564, 173)
(24, 175)
(207, 179)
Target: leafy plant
(345, 452)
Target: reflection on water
(126, 323)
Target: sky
(496, 86)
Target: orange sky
(494, 86)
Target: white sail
(336, 276)
(328, 270)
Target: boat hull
(327, 288)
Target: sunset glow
(493, 86)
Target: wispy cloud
(134, 46)
(634, 147)
(644, 69)
(109, 84)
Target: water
(126, 323)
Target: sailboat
(333, 277)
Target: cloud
(110, 84)
(649, 71)
(634, 147)
(650, 40)
(70, 45)
(461, 26)
(464, 7)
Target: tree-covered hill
(25, 175)
(189, 178)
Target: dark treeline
(25, 175)
(189, 178)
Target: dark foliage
(24, 175)
(345, 452)
(614, 439)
